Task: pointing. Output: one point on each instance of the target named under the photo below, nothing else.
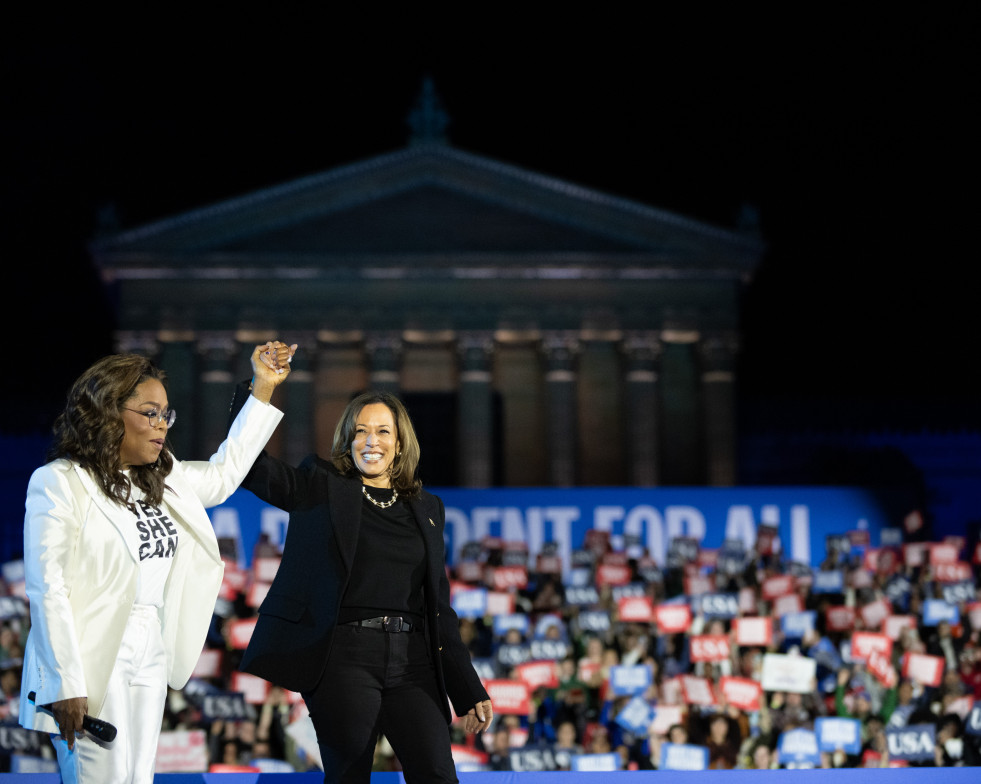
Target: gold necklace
(381, 504)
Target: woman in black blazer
(358, 617)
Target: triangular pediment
(429, 206)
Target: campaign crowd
(603, 659)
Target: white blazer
(81, 570)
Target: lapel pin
(432, 523)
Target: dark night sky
(851, 133)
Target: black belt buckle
(392, 623)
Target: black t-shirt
(389, 564)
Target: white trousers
(134, 704)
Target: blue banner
(802, 516)
(582, 763)
(628, 681)
(683, 756)
(913, 743)
(636, 716)
(835, 733)
(799, 747)
(937, 610)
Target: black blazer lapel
(344, 499)
(432, 534)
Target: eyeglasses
(155, 417)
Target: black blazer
(292, 637)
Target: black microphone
(98, 728)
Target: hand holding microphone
(71, 717)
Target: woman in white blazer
(122, 564)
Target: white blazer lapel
(121, 517)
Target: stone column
(561, 350)
(218, 354)
(384, 352)
(475, 425)
(718, 353)
(642, 351)
(682, 456)
(178, 359)
(296, 397)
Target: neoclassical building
(542, 333)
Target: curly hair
(405, 467)
(90, 429)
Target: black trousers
(378, 681)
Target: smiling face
(375, 444)
(142, 444)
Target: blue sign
(470, 602)
(593, 621)
(718, 605)
(914, 742)
(835, 733)
(596, 762)
(796, 624)
(683, 756)
(802, 516)
(937, 610)
(630, 680)
(799, 747)
(972, 723)
(504, 623)
(636, 716)
(828, 582)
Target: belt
(387, 623)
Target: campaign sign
(665, 717)
(742, 693)
(893, 626)
(840, 618)
(549, 649)
(12, 607)
(898, 590)
(531, 758)
(913, 743)
(698, 584)
(683, 756)
(788, 673)
(944, 553)
(835, 733)
(593, 621)
(582, 763)
(636, 716)
(780, 585)
(957, 593)
(718, 605)
(630, 589)
(499, 603)
(18, 739)
(470, 572)
(635, 609)
(504, 578)
(928, 670)
(747, 600)
(863, 643)
(796, 625)
(485, 668)
(504, 623)
(753, 631)
(829, 582)
(612, 574)
(880, 666)
(581, 596)
(956, 572)
(629, 680)
(799, 747)
(915, 553)
(709, 647)
(538, 673)
(874, 613)
(732, 558)
(974, 614)
(972, 722)
(510, 697)
(227, 706)
(697, 691)
(788, 603)
(937, 610)
(209, 664)
(672, 618)
(470, 602)
(253, 688)
(182, 751)
(240, 632)
(512, 654)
